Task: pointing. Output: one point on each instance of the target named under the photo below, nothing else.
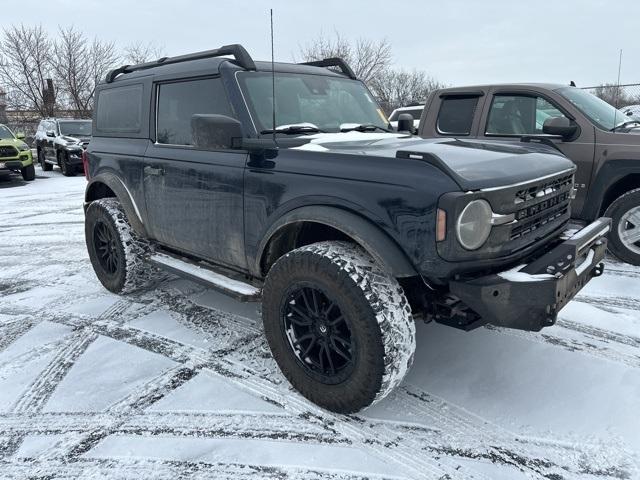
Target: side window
(519, 115)
(120, 109)
(179, 101)
(456, 115)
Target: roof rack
(333, 62)
(237, 51)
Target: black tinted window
(120, 109)
(178, 102)
(456, 115)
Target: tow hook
(598, 270)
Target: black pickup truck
(348, 232)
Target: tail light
(85, 164)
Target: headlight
(24, 147)
(474, 224)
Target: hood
(14, 142)
(69, 138)
(472, 164)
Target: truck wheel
(115, 250)
(624, 240)
(339, 326)
(47, 167)
(28, 172)
(67, 170)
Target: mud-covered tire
(373, 302)
(131, 272)
(47, 167)
(28, 173)
(618, 211)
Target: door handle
(153, 171)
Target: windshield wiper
(625, 124)
(294, 129)
(362, 127)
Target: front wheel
(338, 325)
(115, 250)
(28, 173)
(47, 167)
(624, 240)
(63, 161)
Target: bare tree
(78, 65)
(142, 52)
(25, 66)
(398, 88)
(615, 95)
(366, 57)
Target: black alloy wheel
(319, 334)
(106, 244)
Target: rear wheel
(115, 250)
(28, 172)
(624, 240)
(339, 327)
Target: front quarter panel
(399, 196)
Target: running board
(237, 289)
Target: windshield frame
(252, 114)
(607, 128)
(13, 135)
(75, 121)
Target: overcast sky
(457, 42)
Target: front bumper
(529, 297)
(15, 164)
(74, 157)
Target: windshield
(599, 112)
(5, 133)
(323, 101)
(80, 128)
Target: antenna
(615, 114)
(273, 85)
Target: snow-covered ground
(178, 382)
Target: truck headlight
(474, 224)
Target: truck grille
(7, 151)
(541, 205)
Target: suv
(15, 155)
(603, 142)
(345, 230)
(61, 141)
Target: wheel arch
(311, 224)
(619, 188)
(107, 185)
(614, 178)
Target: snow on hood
(318, 139)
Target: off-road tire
(374, 302)
(63, 162)
(132, 272)
(616, 211)
(28, 173)
(47, 167)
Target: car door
(49, 149)
(194, 197)
(513, 113)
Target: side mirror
(20, 136)
(405, 122)
(50, 133)
(561, 126)
(212, 132)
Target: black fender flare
(368, 235)
(611, 172)
(122, 193)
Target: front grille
(8, 151)
(541, 205)
(544, 189)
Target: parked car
(414, 110)
(347, 232)
(631, 111)
(602, 141)
(15, 155)
(61, 141)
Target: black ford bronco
(348, 232)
